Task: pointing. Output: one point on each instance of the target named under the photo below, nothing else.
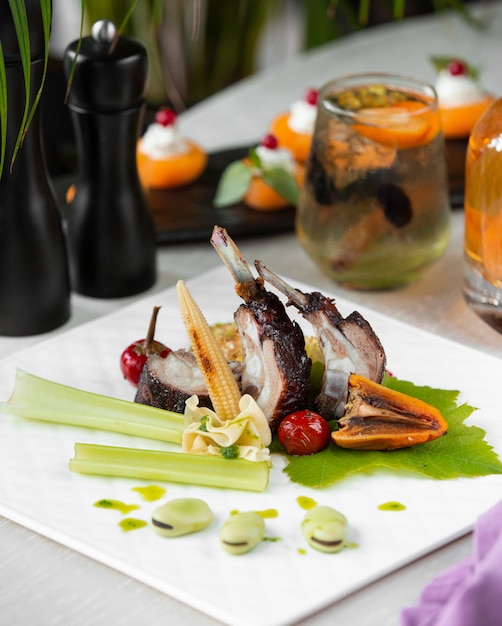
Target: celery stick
(41, 399)
(195, 469)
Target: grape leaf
(462, 452)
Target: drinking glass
(483, 218)
(374, 212)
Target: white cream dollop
(457, 90)
(275, 157)
(249, 430)
(302, 116)
(161, 142)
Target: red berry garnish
(303, 433)
(134, 357)
(456, 68)
(270, 142)
(311, 96)
(165, 117)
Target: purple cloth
(470, 593)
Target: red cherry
(165, 117)
(303, 433)
(270, 142)
(134, 357)
(311, 96)
(456, 68)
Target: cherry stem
(151, 329)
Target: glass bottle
(110, 229)
(483, 217)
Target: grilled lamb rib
(349, 345)
(275, 367)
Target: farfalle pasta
(206, 433)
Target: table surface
(43, 582)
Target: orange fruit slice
(405, 124)
(173, 171)
(297, 143)
(458, 122)
(261, 197)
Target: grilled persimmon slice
(379, 418)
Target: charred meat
(275, 365)
(349, 345)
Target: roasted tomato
(303, 433)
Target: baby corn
(220, 382)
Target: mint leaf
(462, 452)
(233, 184)
(283, 182)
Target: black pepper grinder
(110, 229)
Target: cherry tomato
(303, 433)
(134, 357)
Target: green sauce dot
(117, 505)
(130, 523)
(150, 493)
(306, 503)
(268, 513)
(391, 506)
(302, 551)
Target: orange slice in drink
(405, 124)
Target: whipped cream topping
(457, 90)
(277, 157)
(302, 116)
(160, 142)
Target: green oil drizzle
(150, 493)
(302, 551)
(117, 505)
(351, 545)
(268, 513)
(391, 506)
(131, 523)
(306, 503)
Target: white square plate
(282, 581)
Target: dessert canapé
(294, 128)
(269, 178)
(462, 99)
(166, 158)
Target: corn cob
(220, 382)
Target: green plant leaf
(233, 184)
(462, 452)
(283, 182)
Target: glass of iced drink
(483, 218)
(374, 212)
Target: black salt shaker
(110, 229)
(34, 282)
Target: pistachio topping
(324, 528)
(242, 532)
(181, 516)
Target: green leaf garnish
(282, 181)
(236, 178)
(462, 452)
(233, 184)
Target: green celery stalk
(41, 399)
(195, 469)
